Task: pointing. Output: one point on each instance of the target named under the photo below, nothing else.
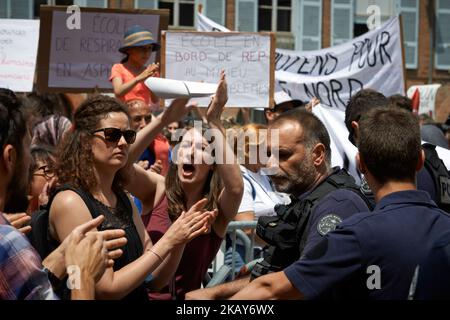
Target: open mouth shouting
(188, 170)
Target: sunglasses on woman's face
(114, 135)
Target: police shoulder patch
(328, 223)
(365, 189)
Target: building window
(342, 26)
(442, 55)
(181, 12)
(388, 9)
(214, 10)
(274, 15)
(409, 10)
(246, 14)
(92, 3)
(17, 9)
(308, 24)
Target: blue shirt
(394, 238)
(434, 272)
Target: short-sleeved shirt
(139, 91)
(259, 195)
(21, 271)
(372, 255)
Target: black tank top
(120, 217)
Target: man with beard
(22, 275)
(374, 255)
(321, 197)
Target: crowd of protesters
(124, 199)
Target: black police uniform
(297, 227)
(372, 255)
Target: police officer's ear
(420, 161)
(360, 164)
(318, 154)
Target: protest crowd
(122, 198)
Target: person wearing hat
(129, 75)
(283, 102)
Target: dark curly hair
(75, 163)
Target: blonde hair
(250, 135)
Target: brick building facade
(309, 25)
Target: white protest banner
(80, 60)
(427, 94)
(343, 152)
(372, 60)
(18, 51)
(247, 59)
(206, 24)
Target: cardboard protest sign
(427, 94)
(80, 59)
(18, 51)
(373, 60)
(247, 59)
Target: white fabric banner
(18, 52)
(206, 24)
(373, 60)
(342, 151)
(427, 94)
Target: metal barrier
(220, 270)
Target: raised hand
(89, 254)
(177, 110)
(45, 193)
(156, 167)
(218, 102)
(190, 224)
(150, 71)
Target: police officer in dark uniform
(322, 197)
(433, 177)
(370, 255)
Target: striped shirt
(21, 272)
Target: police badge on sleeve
(328, 223)
(445, 189)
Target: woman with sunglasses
(197, 172)
(92, 161)
(129, 75)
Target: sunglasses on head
(114, 135)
